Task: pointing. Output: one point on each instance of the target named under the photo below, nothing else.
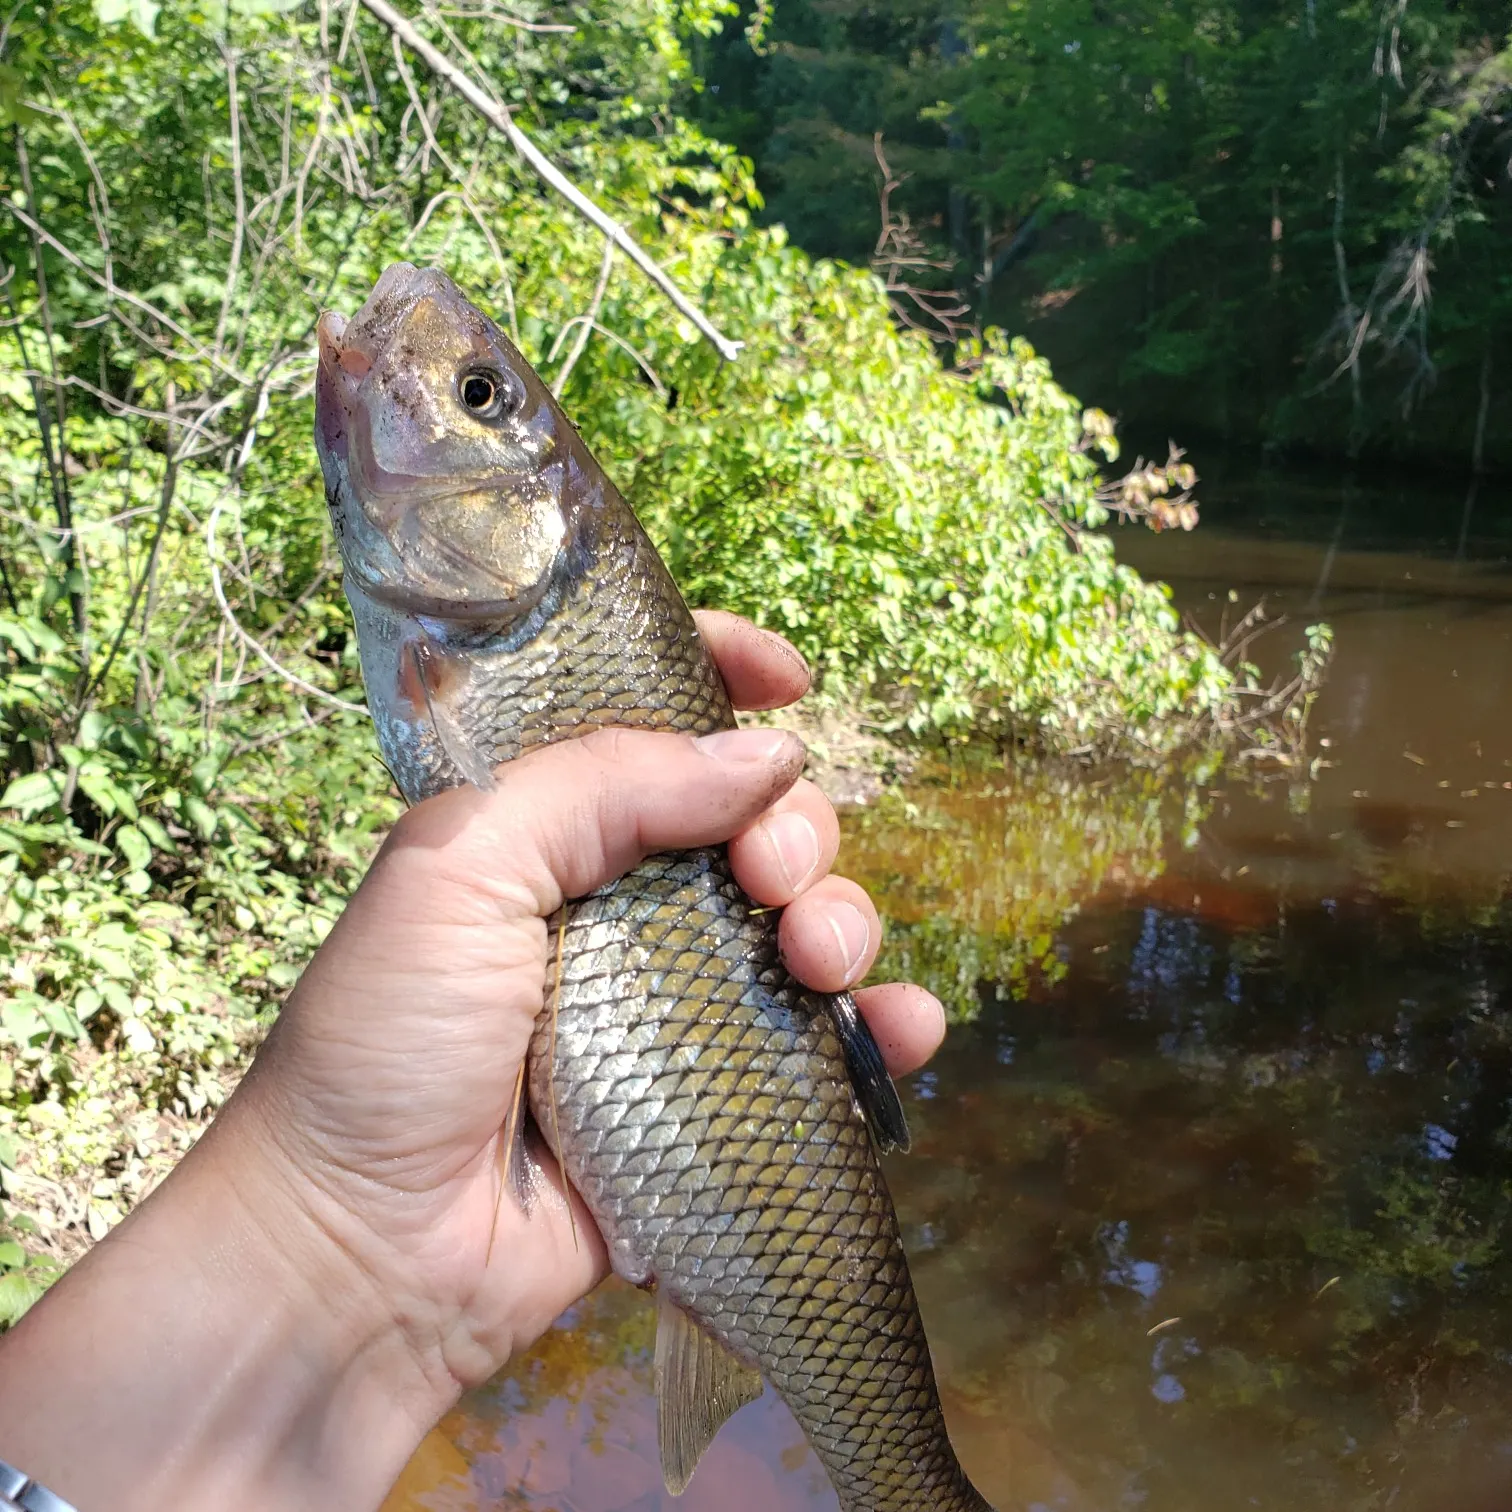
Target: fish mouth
(349, 348)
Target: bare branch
(238, 185)
(54, 434)
(125, 295)
(488, 13)
(584, 323)
(500, 119)
(244, 639)
(900, 253)
(639, 357)
(505, 281)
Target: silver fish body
(702, 1097)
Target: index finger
(760, 668)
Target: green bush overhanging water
(188, 790)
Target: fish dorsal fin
(699, 1384)
(872, 1085)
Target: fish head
(444, 455)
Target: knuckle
(611, 745)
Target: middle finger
(829, 936)
(789, 848)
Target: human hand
(388, 1082)
(339, 1256)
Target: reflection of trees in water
(571, 1427)
(1294, 1140)
(977, 881)
(520, 1443)
(1213, 1215)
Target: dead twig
(200, 350)
(584, 323)
(244, 638)
(900, 259)
(498, 116)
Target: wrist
(220, 1349)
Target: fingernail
(786, 648)
(851, 935)
(743, 745)
(796, 843)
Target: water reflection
(1211, 1200)
(978, 875)
(573, 1429)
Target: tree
(1286, 226)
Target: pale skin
(280, 1324)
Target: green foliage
(187, 788)
(24, 1276)
(1287, 224)
(884, 513)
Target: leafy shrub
(187, 789)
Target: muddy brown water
(1210, 1205)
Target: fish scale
(723, 1137)
(698, 1096)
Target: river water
(1210, 1202)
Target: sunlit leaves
(142, 14)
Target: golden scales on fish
(721, 1121)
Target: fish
(721, 1121)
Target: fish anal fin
(699, 1384)
(869, 1076)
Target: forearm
(209, 1355)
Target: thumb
(569, 818)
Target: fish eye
(487, 394)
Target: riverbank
(125, 1101)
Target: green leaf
(142, 13)
(59, 1017)
(155, 832)
(91, 727)
(21, 1021)
(17, 1293)
(108, 794)
(118, 999)
(33, 792)
(16, 112)
(12, 1256)
(134, 846)
(11, 630)
(200, 815)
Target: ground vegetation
(188, 785)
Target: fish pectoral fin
(869, 1076)
(463, 754)
(699, 1384)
